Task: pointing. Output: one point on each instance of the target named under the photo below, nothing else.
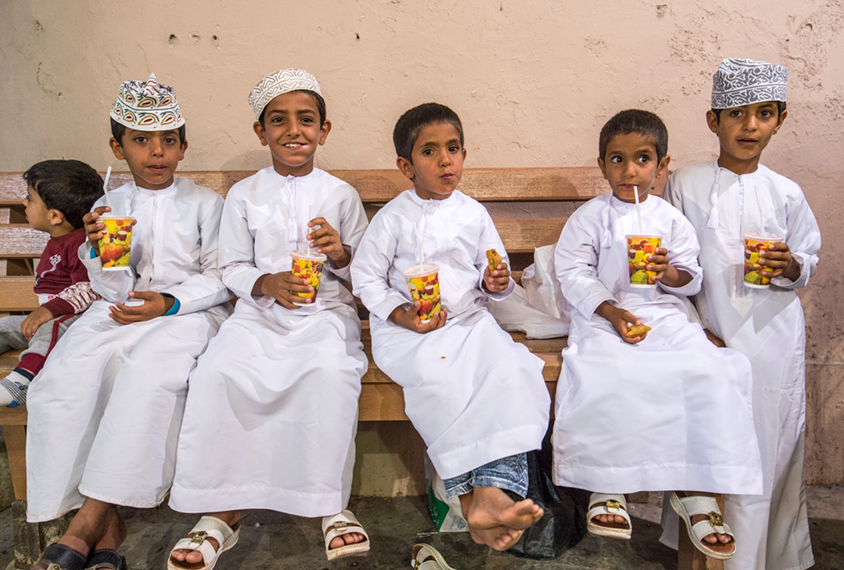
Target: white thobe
(472, 393)
(672, 412)
(105, 411)
(272, 410)
(767, 326)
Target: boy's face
(291, 130)
(630, 162)
(437, 161)
(744, 132)
(152, 156)
(39, 216)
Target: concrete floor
(271, 540)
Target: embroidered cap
(278, 83)
(147, 106)
(745, 81)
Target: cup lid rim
(421, 269)
(312, 256)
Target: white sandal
(426, 557)
(197, 539)
(338, 525)
(687, 507)
(600, 504)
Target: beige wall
(532, 80)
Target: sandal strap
(340, 524)
(105, 559)
(197, 539)
(700, 505)
(706, 527)
(61, 557)
(612, 503)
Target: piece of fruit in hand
(638, 330)
(494, 259)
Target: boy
(476, 397)
(104, 413)
(723, 200)
(272, 411)
(635, 409)
(58, 194)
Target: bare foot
(495, 519)
(350, 538)
(193, 558)
(716, 540)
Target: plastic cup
(116, 243)
(424, 284)
(639, 247)
(308, 265)
(754, 242)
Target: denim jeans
(508, 473)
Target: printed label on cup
(754, 243)
(639, 247)
(116, 244)
(308, 266)
(424, 284)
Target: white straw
(638, 209)
(419, 240)
(105, 189)
(761, 215)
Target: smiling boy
(272, 412)
(724, 200)
(104, 413)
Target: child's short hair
(635, 121)
(69, 186)
(118, 130)
(781, 106)
(413, 121)
(320, 103)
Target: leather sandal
(426, 557)
(687, 507)
(600, 504)
(106, 559)
(61, 557)
(197, 539)
(338, 525)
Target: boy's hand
(665, 272)
(280, 286)
(714, 339)
(94, 227)
(621, 321)
(155, 305)
(409, 319)
(34, 320)
(326, 240)
(498, 280)
(780, 261)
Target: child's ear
(182, 149)
(780, 120)
(56, 217)
(663, 166)
(712, 121)
(116, 148)
(603, 167)
(262, 134)
(406, 167)
(323, 131)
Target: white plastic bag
(446, 513)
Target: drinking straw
(419, 240)
(761, 215)
(105, 188)
(638, 209)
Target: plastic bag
(446, 513)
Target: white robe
(472, 393)
(670, 413)
(767, 326)
(105, 411)
(272, 410)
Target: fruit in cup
(111, 252)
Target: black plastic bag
(564, 523)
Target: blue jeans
(508, 473)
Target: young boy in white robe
(638, 410)
(725, 199)
(105, 411)
(477, 398)
(272, 411)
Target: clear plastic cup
(639, 247)
(308, 265)
(116, 244)
(754, 243)
(424, 284)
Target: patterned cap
(147, 106)
(744, 82)
(278, 83)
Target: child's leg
(11, 338)
(494, 518)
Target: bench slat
(16, 294)
(20, 240)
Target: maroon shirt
(62, 275)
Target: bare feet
(495, 519)
(97, 525)
(350, 538)
(193, 558)
(716, 539)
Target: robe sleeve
(804, 240)
(237, 255)
(352, 227)
(113, 286)
(370, 269)
(489, 239)
(205, 289)
(683, 255)
(576, 263)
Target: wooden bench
(556, 190)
